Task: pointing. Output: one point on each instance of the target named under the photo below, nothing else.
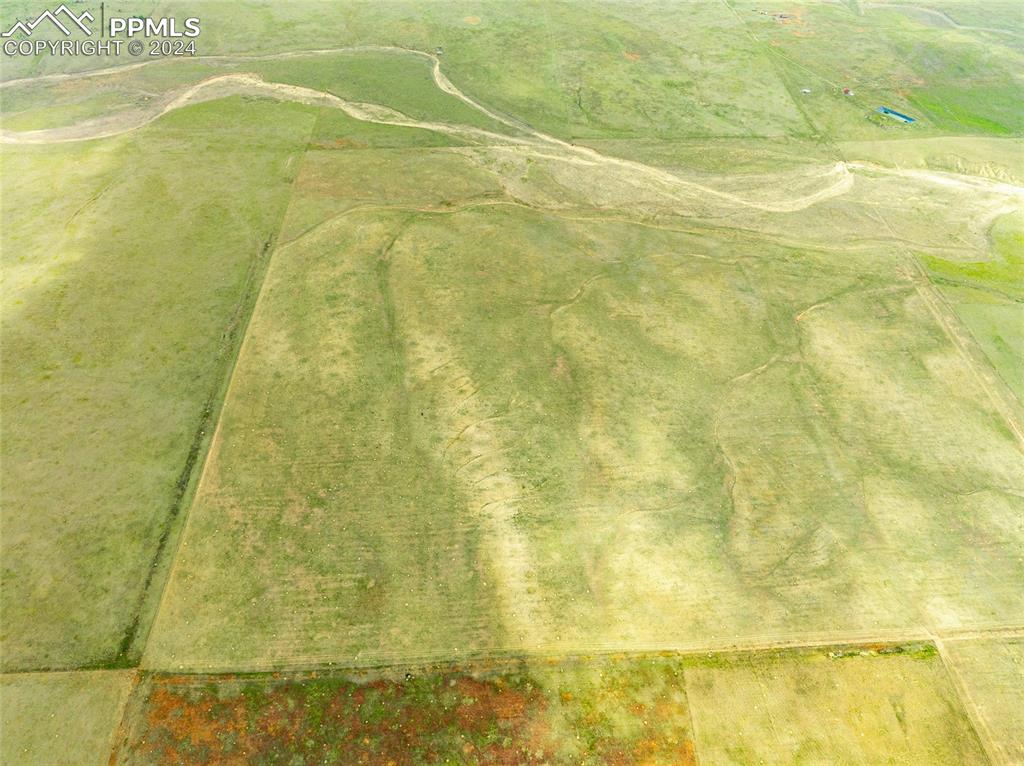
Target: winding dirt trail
(944, 178)
(836, 180)
(837, 177)
(239, 84)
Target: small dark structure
(895, 115)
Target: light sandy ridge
(945, 178)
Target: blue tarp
(894, 114)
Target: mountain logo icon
(54, 17)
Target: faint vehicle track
(942, 16)
(838, 178)
(972, 708)
(1001, 398)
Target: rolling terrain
(498, 384)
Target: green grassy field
(668, 71)
(992, 672)
(987, 297)
(64, 719)
(127, 266)
(622, 404)
(880, 55)
(573, 456)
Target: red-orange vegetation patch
(340, 721)
(500, 717)
(177, 729)
(656, 746)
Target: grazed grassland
(337, 177)
(667, 71)
(585, 494)
(126, 266)
(988, 297)
(63, 719)
(600, 342)
(329, 418)
(992, 672)
(999, 158)
(887, 58)
(817, 707)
